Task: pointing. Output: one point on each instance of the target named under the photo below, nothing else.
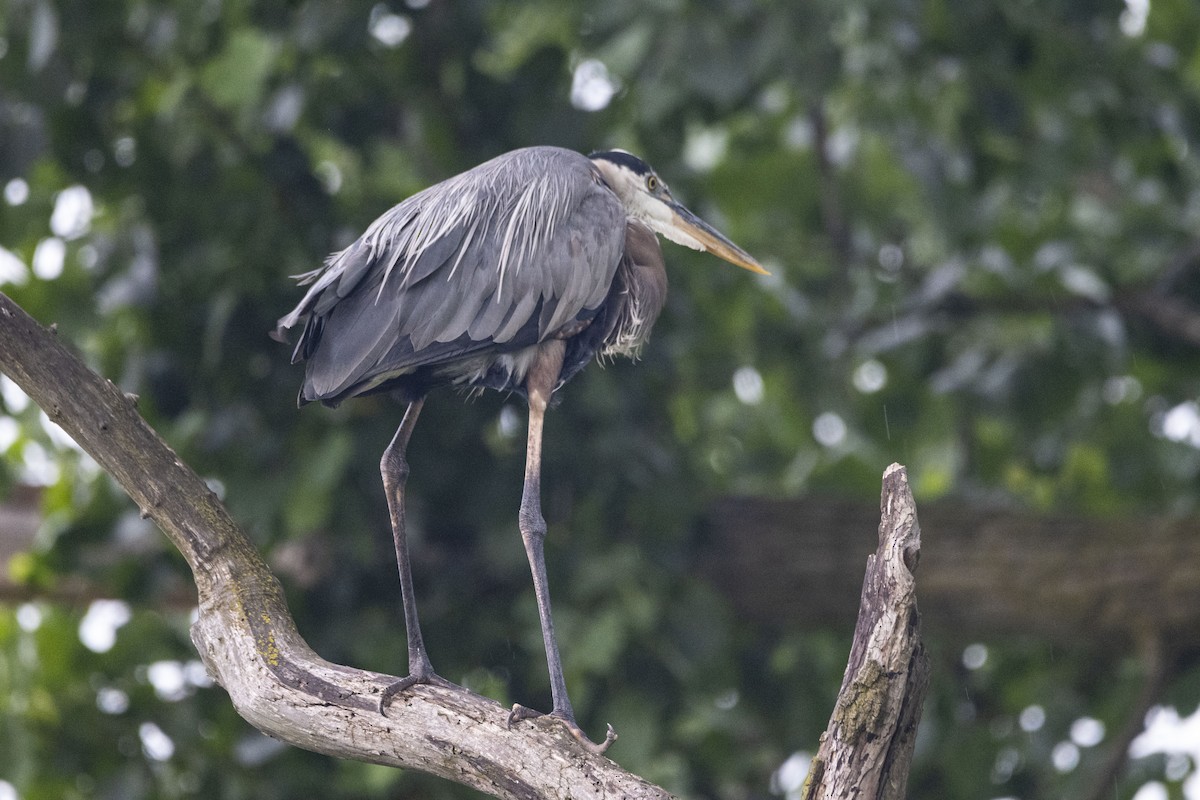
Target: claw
(520, 712)
(391, 690)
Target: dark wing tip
(314, 326)
(306, 395)
(302, 400)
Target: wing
(500, 257)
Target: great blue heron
(510, 276)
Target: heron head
(647, 198)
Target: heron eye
(652, 182)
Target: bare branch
(866, 751)
(246, 635)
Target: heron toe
(520, 712)
(426, 677)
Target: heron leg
(394, 468)
(539, 385)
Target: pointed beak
(711, 240)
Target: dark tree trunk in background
(1070, 580)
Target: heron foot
(424, 676)
(520, 712)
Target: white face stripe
(640, 204)
(623, 181)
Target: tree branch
(866, 751)
(246, 635)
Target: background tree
(981, 219)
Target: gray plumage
(513, 275)
(493, 260)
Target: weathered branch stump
(866, 751)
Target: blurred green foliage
(960, 203)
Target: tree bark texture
(866, 751)
(1079, 582)
(246, 635)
